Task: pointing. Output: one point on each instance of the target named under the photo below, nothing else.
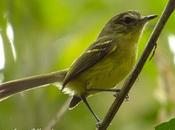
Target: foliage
(170, 125)
(50, 34)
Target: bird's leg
(107, 90)
(89, 107)
(102, 90)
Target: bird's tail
(15, 86)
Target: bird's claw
(98, 124)
(117, 94)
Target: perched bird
(109, 59)
(104, 63)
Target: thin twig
(58, 115)
(133, 76)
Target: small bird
(108, 60)
(104, 63)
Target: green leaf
(170, 125)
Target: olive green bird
(107, 61)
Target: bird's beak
(148, 18)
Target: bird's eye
(128, 20)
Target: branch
(12, 87)
(54, 121)
(133, 76)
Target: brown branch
(15, 86)
(133, 76)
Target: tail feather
(12, 87)
(74, 102)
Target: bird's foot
(117, 94)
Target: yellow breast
(108, 72)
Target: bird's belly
(108, 74)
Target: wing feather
(90, 57)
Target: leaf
(170, 125)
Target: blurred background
(41, 36)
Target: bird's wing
(90, 57)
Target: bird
(103, 65)
(108, 60)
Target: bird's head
(126, 23)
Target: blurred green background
(41, 36)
